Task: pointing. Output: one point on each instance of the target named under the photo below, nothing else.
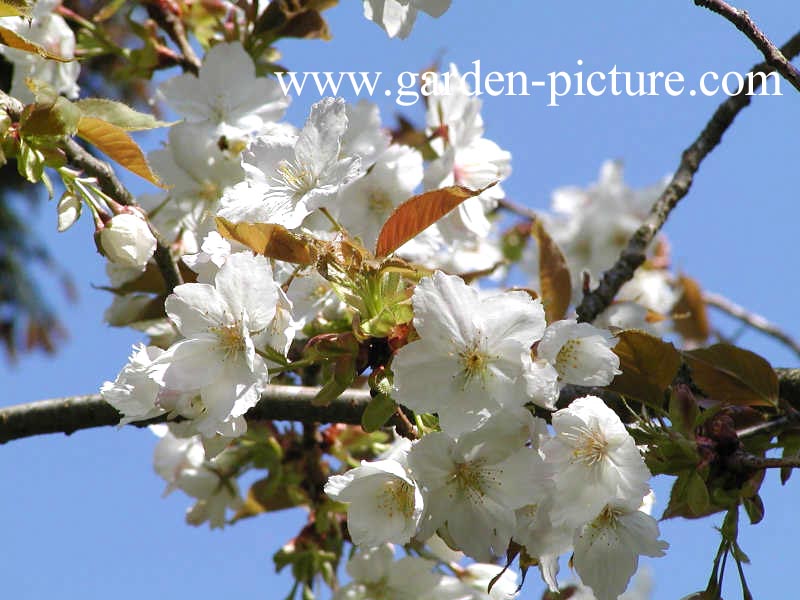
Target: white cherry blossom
(133, 393)
(226, 93)
(365, 136)
(595, 461)
(376, 575)
(607, 550)
(581, 353)
(218, 358)
(183, 463)
(397, 17)
(366, 203)
(384, 502)
(470, 360)
(288, 177)
(472, 486)
(47, 29)
(465, 157)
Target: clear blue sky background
(83, 517)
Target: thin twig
(634, 254)
(79, 157)
(744, 461)
(745, 24)
(751, 319)
(517, 209)
(403, 425)
(167, 15)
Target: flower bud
(69, 209)
(126, 240)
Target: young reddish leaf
(417, 214)
(268, 239)
(14, 40)
(733, 375)
(691, 314)
(114, 142)
(648, 366)
(555, 281)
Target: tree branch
(634, 254)
(751, 319)
(71, 414)
(79, 157)
(745, 24)
(167, 15)
(743, 461)
(295, 403)
(517, 209)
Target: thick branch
(751, 319)
(278, 403)
(745, 24)
(634, 254)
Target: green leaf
(48, 120)
(270, 494)
(683, 410)
(790, 440)
(378, 412)
(108, 11)
(755, 508)
(733, 375)
(342, 376)
(118, 114)
(387, 319)
(697, 496)
(730, 525)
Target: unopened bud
(126, 240)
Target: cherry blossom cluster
(486, 472)
(494, 473)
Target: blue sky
(84, 516)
